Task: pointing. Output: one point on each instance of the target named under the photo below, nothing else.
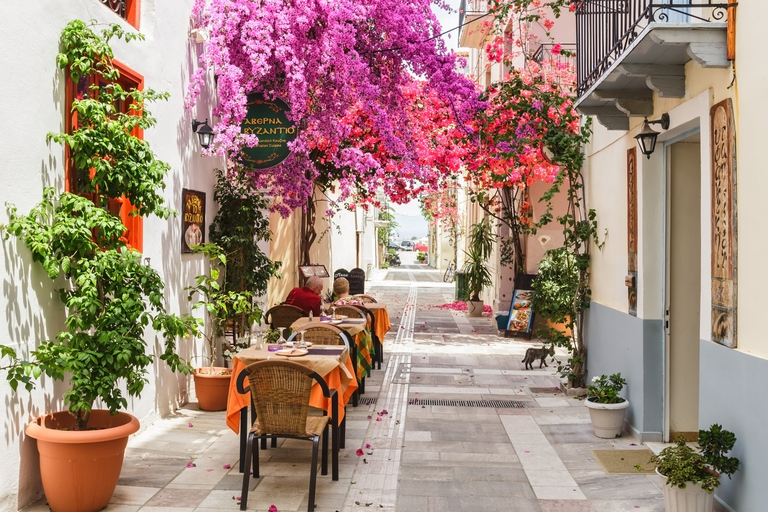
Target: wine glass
(281, 340)
(300, 340)
(324, 308)
(333, 308)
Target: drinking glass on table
(300, 343)
(281, 340)
(324, 308)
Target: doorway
(682, 287)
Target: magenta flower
(359, 452)
(272, 508)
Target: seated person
(341, 293)
(308, 297)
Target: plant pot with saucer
(606, 407)
(109, 294)
(689, 476)
(476, 270)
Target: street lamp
(646, 139)
(204, 132)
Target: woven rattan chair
(365, 298)
(350, 311)
(283, 315)
(325, 334)
(280, 396)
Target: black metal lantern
(646, 139)
(204, 132)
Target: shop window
(76, 181)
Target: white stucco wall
(35, 105)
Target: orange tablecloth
(379, 311)
(338, 378)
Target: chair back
(280, 394)
(364, 298)
(322, 335)
(283, 315)
(350, 311)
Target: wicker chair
(365, 298)
(325, 334)
(283, 315)
(280, 397)
(350, 311)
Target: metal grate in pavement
(493, 404)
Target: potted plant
(477, 273)
(109, 295)
(224, 308)
(689, 476)
(606, 407)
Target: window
(126, 9)
(76, 181)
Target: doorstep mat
(622, 462)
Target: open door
(683, 288)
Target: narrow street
(451, 422)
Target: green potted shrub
(477, 272)
(109, 296)
(606, 407)
(689, 476)
(223, 308)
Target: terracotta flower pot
(474, 308)
(607, 419)
(212, 389)
(79, 469)
(691, 499)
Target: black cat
(532, 354)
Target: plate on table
(290, 343)
(356, 320)
(336, 321)
(342, 317)
(292, 352)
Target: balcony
(475, 23)
(627, 50)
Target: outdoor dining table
(331, 363)
(380, 314)
(356, 329)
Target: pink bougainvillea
(328, 60)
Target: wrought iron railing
(117, 6)
(567, 55)
(605, 29)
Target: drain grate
(494, 404)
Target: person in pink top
(308, 297)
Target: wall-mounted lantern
(204, 132)
(646, 139)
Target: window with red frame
(126, 9)
(76, 181)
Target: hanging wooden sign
(267, 120)
(631, 278)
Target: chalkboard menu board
(342, 272)
(356, 281)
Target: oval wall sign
(267, 120)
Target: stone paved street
(529, 451)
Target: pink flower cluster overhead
(324, 58)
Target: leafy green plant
(605, 390)
(221, 305)
(682, 464)
(109, 296)
(476, 269)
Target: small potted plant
(224, 308)
(689, 476)
(606, 407)
(476, 271)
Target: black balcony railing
(117, 6)
(605, 29)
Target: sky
(408, 216)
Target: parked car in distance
(420, 247)
(394, 245)
(406, 245)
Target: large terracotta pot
(79, 469)
(607, 419)
(212, 388)
(691, 499)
